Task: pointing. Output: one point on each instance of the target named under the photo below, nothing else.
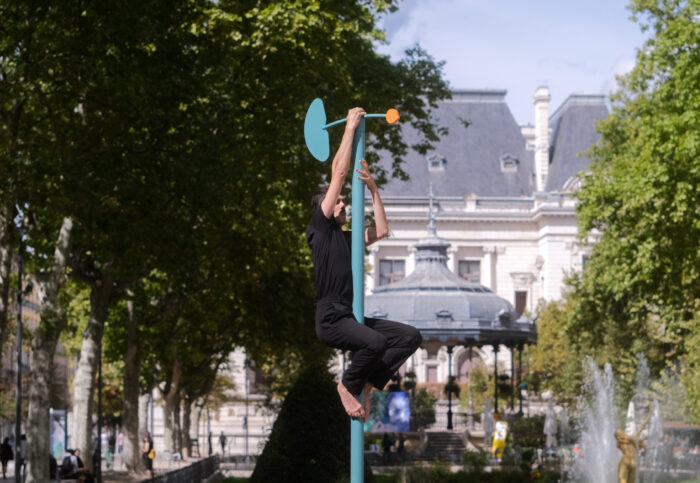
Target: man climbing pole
(380, 346)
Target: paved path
(113, 475)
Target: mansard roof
(485, 152)
(482, 130)
(573, 132)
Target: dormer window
(436, 162)
(509, 163)
(444, 314)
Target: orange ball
(392, 115)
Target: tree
(482, 385)
(554, 362)
(691, 371)
(641, 289)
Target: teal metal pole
(317, 141)
(357, 436)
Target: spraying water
(643, 379)
(550, 425)
(564, 429)
(630, 421)
(600, 456)
(654, 455)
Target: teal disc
(314, 133)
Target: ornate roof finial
(431, 215)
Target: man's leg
(368, 346)
(402, 340)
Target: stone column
(487, 279)
(452, 261)
(542, 99)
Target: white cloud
(519, 45)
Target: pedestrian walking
(222, 442)
(5, 455)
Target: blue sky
(519, 45)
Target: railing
(195, 472)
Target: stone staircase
(445, 445)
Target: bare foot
(350, 403)
(367, 390)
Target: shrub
(527, 432)
(310, 440)
(475, 461)
(425, 408)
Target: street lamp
(450, 388)
(245, 418)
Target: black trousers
(380, 346)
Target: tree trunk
(6, 253)
(170, 401)
(177, 426)
(199, 409)
(52, 321)
(143, 414)
(186, 427)
(84, 382)
(130, 413)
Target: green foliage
(481, 386)
(77, 298)
(691, 371)
(409, 382)
(640, 290)
(424, 408)
(527, 432)
(452, 387)
(8, 402)
(310, 440)
(675, 396)
(477, 387)
(475, 461)
(554, 363)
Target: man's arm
(381, 228)
(341, 161)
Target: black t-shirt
(330, 248)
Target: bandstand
(449, 311)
